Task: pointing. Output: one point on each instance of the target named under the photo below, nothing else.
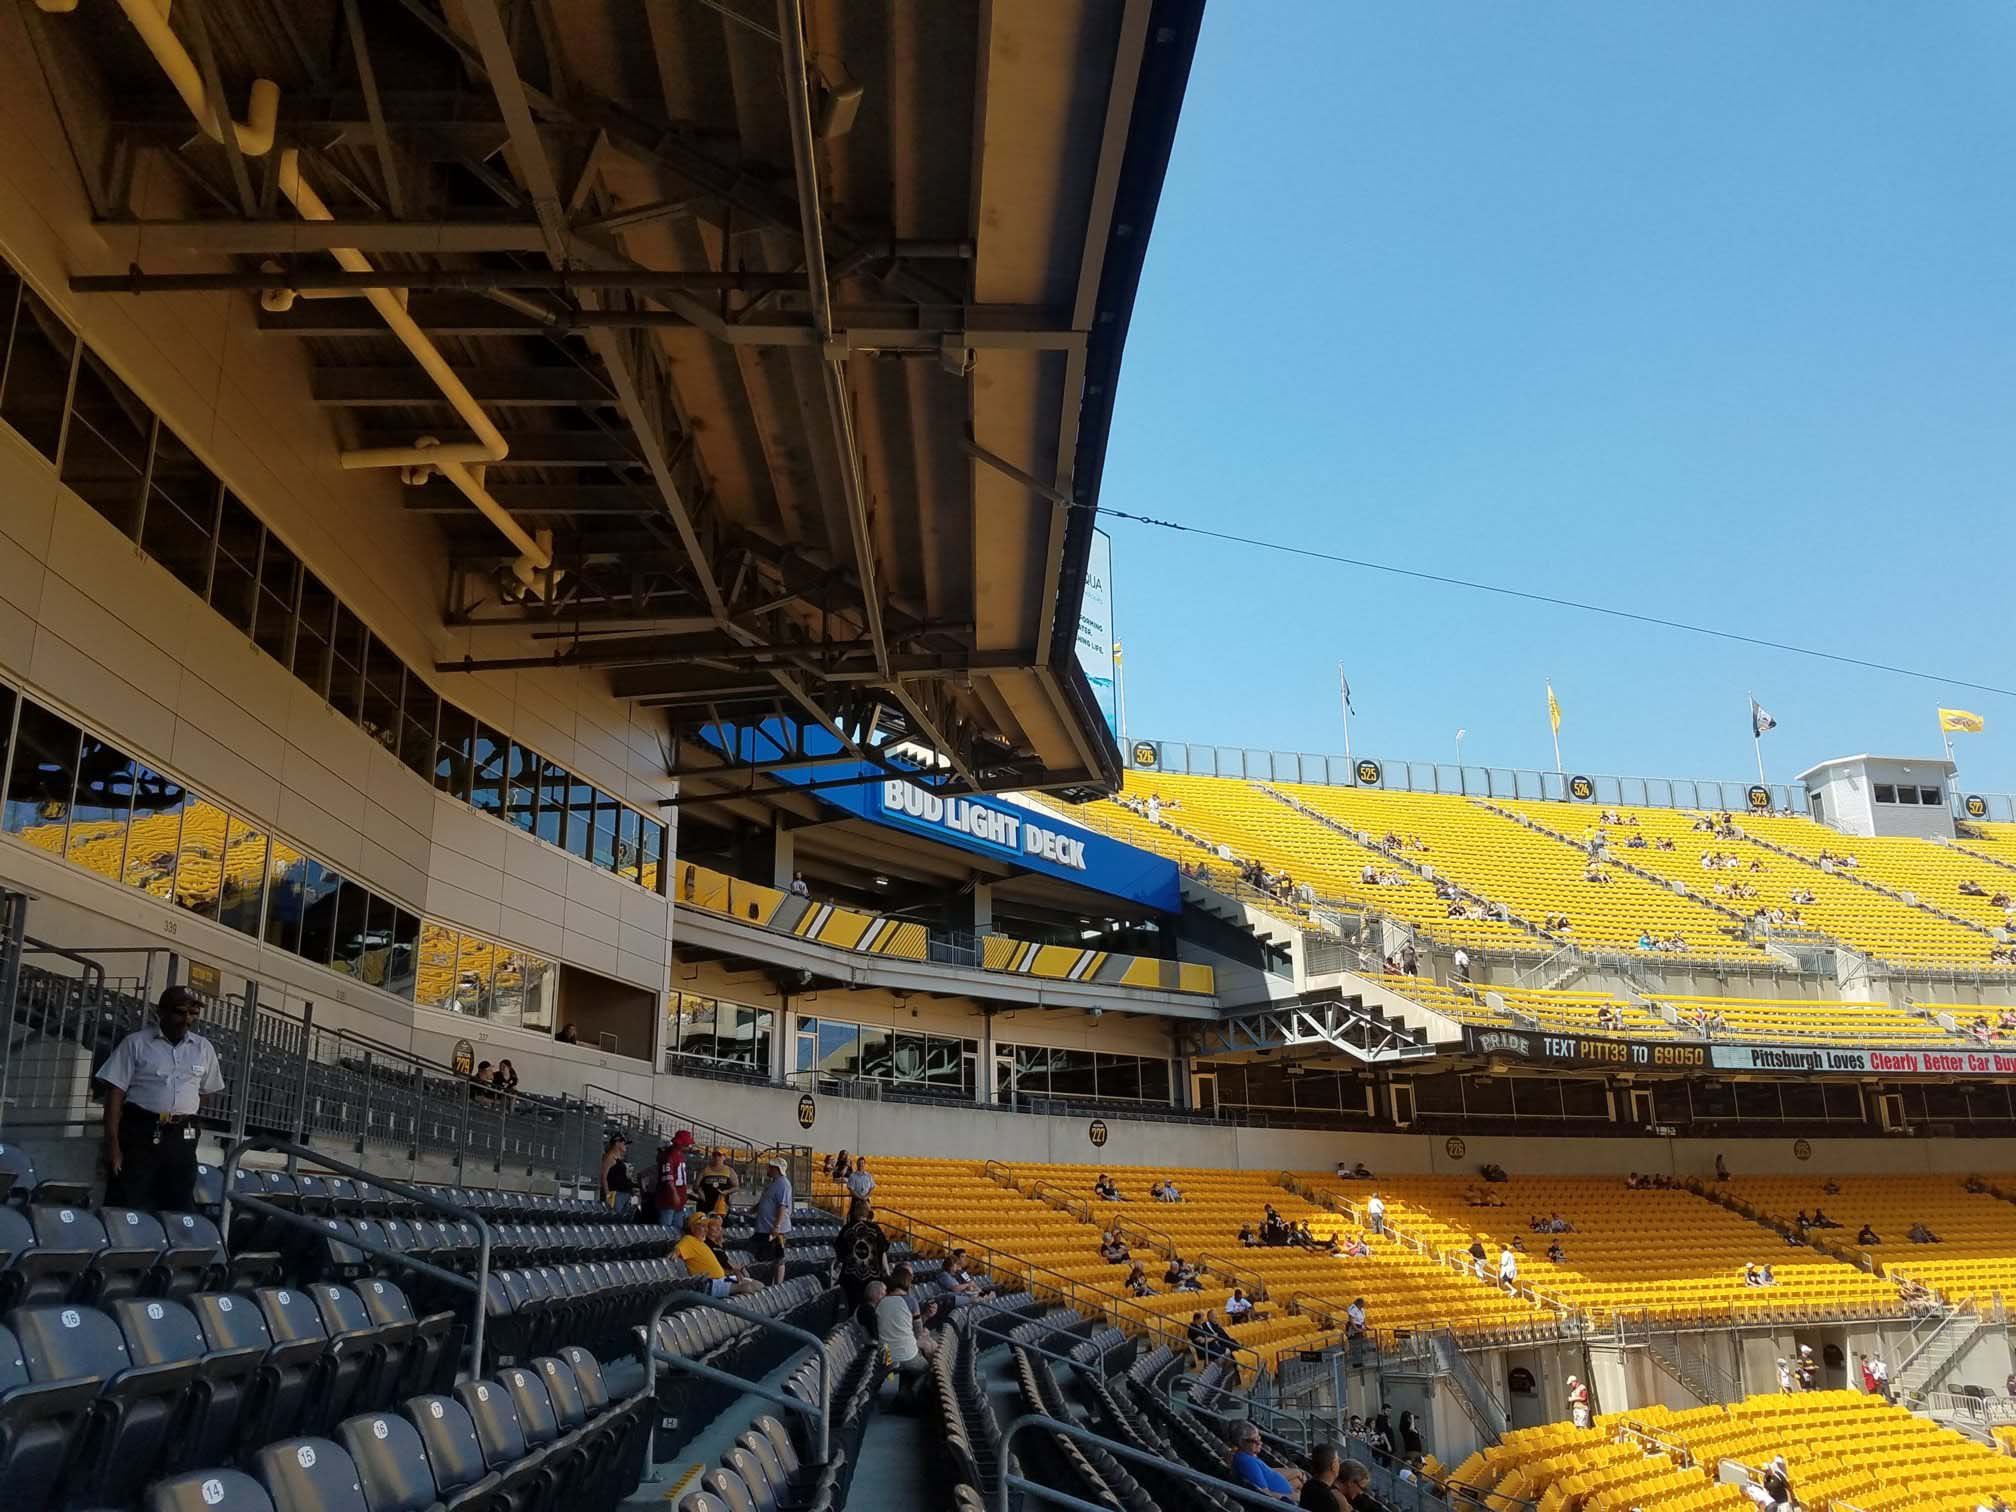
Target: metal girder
(532, 448)
(579, 280)
(374, 106)
(278, 236)
(401, 387)
(611, 500)
(1345, 1025)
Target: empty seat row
(541, 1435)
(97, 1401)
(72, 1254)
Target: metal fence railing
(288, 1076)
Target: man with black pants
(155, 1081)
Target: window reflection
(374, 960)
(320, 886)
(435, 970)
(521, 779)
(156, 833)
(40, 354)
(347, 947)
(313, 630)
(244, 877)
(286, 896)
(401, 960)
(492, 757)
(454, 756)
(542, 992)
(346, 664)
(106, 444)
(42, 773)
(552, 822)
(181, 518)
(104, 804)
(475, 969)
(199, 865)
(279, 599)
(234, 578)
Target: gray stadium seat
(391, 1464)
(39, 1417)
(310, 1475)
(209, 1491)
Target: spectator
(1919, 1234)
(1460, 965)
(717, 1182)
(1882, 1373)
(1508, 1268)
(1319, 1491)
(618, 1187)
(567, 1036)
(1113, 1248)
(1557, 1254)
(909, 1355)
(1254, 1473)
(670, 1196)
(1807, 1367)
(960, 1287)
(1137, 1281)
(1354, 1318)
(701, 1260)
(1869, 1375)
(798, 887)
(1375, 1214)
(1203, 1343)
(860, 1251)
(1784, 1376)
(843, 1167)
(1410, 1436)
(1492, 1171)
(1410, 963)
(1578, 1402)
(1246, 1236)
(1355, 1481)
(1765, 1278)
(773, 1219)
(861, 1183)
(1778, 1481)
(1479, 1257)
(1106, 1189)
(483, 1077)
(506, 1079)
(1721, 1169)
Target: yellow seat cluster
(1976, 1253)
(1793, 1020)
(1666, 1252)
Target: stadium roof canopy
(798, 320)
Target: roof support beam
(833, 367)
(637, 393)
(388, 387)
(374, 107)
(282, 236)
(578, 279)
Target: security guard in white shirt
(155, 1081)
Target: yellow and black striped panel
(896, 937)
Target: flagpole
(1757, 742)
(1554, 725)
(1344, 698)
(1120, 691)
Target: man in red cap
(672, 1181)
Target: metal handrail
(296, 1152)
(1013, 1480)
(653, 1358)
(1253, 1281)
(994, 1309)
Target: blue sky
(1706, 310)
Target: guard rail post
(462, 1132)
(301, 1084)
(241, 1081)
(364, 1113)
(13, 936)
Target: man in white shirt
(1375, 1214)
(155, 1081)
(860, 1184)
(1508, 1267)
(896, 1331)
(1461, 972)
(1354, 1316)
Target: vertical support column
(983, 908)
(783, 853)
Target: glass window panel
(104, 804)
(286, 895)
(1931, 796)
(1032, 1071)
(1885, 793)
(507, 987)
(373, 964)
(1907, 795)
(105, 447)
(876, 1055)
(839, 1048)
(454, 753)
(42, 774)
(181, 516)
(907, 1057)
(316, 623)
(6, 710)
(491, 756)
(199, 864)
(945, 1061)
(521, 787)
(696, 1024)
(580, 817)
(1155, 1081)
(475, 968)
(156, 833)
(244, 877)
(346, 664)
(628, 853)
(401, 959)
(320, 889)
(808, 1045)
(603, 849)
(384, 683)
(762, 1030)
(541, 993)
(38, 371)
(434, 965)
(353, 907)
(651, 867)
(552, 821)
(1072, 1074)
(234, 583)
(419, 711)
(279, 601)
(1120, 1076)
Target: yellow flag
(1960, 719)
(1554, 709)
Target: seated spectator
(1919, 1234)
(1137, 1281)
(1493, 1172)
(1170, 1192)
(1867, 1236)
(1246, 1238)
(1106, 1189)
(1764, 1276)
(1751, 1275)
(1255, 1474)
(1113, 1248)
(1555, 1253)
(1155, 1190)
(1355, 1248)
(961, 1289)
(1237, 1306)
(1204, 1342)
(701, 1260)
(1821, 1220)
(907, 1350)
